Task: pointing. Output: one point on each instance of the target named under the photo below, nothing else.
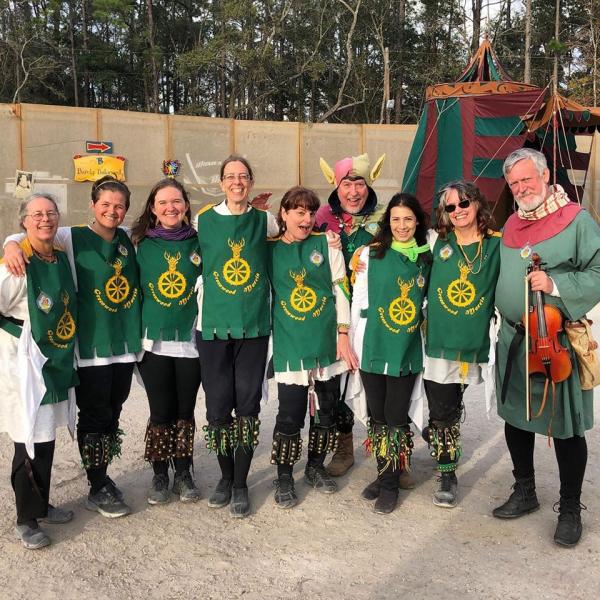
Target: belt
(11, 325)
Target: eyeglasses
(450, 208)
(244, 177)
(38, 216)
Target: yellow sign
(93, 167)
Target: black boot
(569, 527)
(521, 502)
(388, 492)
(371, 492)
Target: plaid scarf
(552, 203)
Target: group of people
(237, 295)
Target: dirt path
(327, 547)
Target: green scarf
(409, 249)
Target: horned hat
(352, 166)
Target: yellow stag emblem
(117, 286)
(402, 309)
(236, 271)
(461, 292)
(303, 298)
(171, 284)
(65, 328)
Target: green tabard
(235, 302)
(460, 303)
(304, 315)
(52, 305)
(168, 273)
(363, 229)
(392, 339)
(108, 294)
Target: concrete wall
(44, 139)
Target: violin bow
(527, 398)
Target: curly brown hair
(466, 191)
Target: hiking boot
(371, 492)
(285, 494)
(319, 478)
(343, 458)
(386, 502)
(32, 538)
(222, 494)
(521, 502)
(57, 516)
(569, 527)
(240, 503)
(446, 494)
(106, 502)
(159, 492)
(185, 487)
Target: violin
(545, 354)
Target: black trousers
(171, 385)
(293, 402)
(30, 479)
(232, 377)
(571, 456)
(445, 401)
(100, 396)
(388, 397)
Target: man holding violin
(555, 245)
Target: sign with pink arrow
(98, 147)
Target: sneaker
(159, 492)
(57, 516)
(446, 494)
(107, 503)
(569, 527)
(240, 503)
(31, 538)
(371, 492)
(111, 485)
(185, 487)
(222, 495)
(318, 478)
(285, 494)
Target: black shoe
(371, 492)
(159, 490)
(285, 494)
(107, 503)
(112, 486)
(318, 478)
(240, 503)
(185, 487)
(446, 494)
(57, 516)
(569, 527)
(521, 502)
(386, 502)
(222, 494)
(31, 538)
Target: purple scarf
(171, 235)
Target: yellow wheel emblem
(303, 298)
(117, 286)
(65, 329)
(236, 271)
(172, 283)
(461, 292)
(402, 311)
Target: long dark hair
(466, 191)
(147, 219)
(296, 197)
(383, 239)
(108, 182)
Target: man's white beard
(533, 202)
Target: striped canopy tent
(469, 127)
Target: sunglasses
(450, 208)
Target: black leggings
(388, 397)
(445, 401)
(30, 480)
(171, 385)
(571, 456)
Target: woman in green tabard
(386, 317)
(37, 340)
(168, 257)
(311, 317)
(460, 307)
(108, 297)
